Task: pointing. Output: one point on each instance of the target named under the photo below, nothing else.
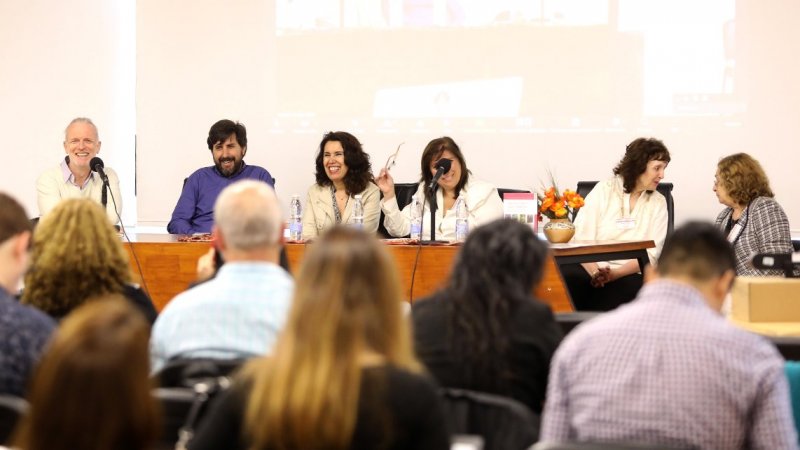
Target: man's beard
(228, 172)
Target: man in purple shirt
(667, 369)
(194, 212)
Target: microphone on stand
(442, 167)
(97, 165)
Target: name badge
(626, 223)
(735, 232)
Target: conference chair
(185, 372)
(584, 187)
(502, 422)
(12, 408)
(183, 407)
(403, 192)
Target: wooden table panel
(169, 268)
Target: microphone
(786, 262)
(97, 165)
(442, 167)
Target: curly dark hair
(495, 270)
(359, 168)
(637, 154)
(433, 151)
(743, 178)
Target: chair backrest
(504, 423)
(12, 409)
(404, 192)
(584, 187)
(183, 373)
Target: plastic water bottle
(295, 218)
(462, 226)
(358, 212)
(416, 219)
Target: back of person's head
(637, 154)
(248, 216)
(497, 267)
(91, 389)
(76, 255)
(346, 304)
(221, 131)
(13, 219)
(743, 178)
(696, 251)
(359, 168)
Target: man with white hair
(239, 313)
(74, 178)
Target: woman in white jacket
(481, 198)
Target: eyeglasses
(393, 158)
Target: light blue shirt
(238, 314)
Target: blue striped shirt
(238, 314)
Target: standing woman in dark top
(343, 374)
(77, 255)
(484, 331)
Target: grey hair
(82, 120)
(248, 215)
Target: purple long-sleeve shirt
(194, 212)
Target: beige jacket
(318, 210)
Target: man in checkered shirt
(667, 369)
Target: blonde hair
(91, 390)
(76, 255)
(743, 178)
(347, 303)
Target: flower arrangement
(555, 205)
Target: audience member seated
(343, 171)
(77, 255)
(343, 374)
(483, 331)
(668, 369)
(24, 329)
(625, 207)
(194, 211)
(73, 178)
(239, 312)
(483, 203)
(753, 221)
(91, 390)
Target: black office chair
(184, 372)
(11, 410)
(183, 407)
(404, 192)
(502, 422)
(584, 187)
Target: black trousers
(585, 297)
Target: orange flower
(546, 203)
(557, 205)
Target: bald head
(248, 217)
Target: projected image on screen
(508, 64)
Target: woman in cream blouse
(483, 203)
(625, 207)
(343, 171)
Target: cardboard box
(766, 299)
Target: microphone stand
(104, 195)
(433, 207)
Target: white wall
(62, 60)
(199, 61)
